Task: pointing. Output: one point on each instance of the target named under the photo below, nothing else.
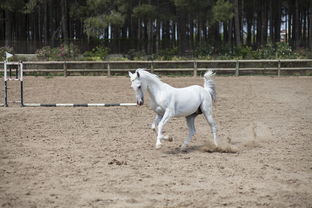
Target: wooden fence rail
(193, 66)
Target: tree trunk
(277, 20)
(310, 27)
(64, 21)
(230, 33)
(8, 28)
(45, 22)
(270, 17)
(138, 34)
(166, 34)
(182, 33)
(198, 35)
(157, 36)
(296, 25)
(237, 25)
(149, 37)
(132, 32)
(249, 24)
(2, 25)
(263, 23)
(51, 23)
(191, 38)
(214, 35)
(290, 25)
(304, 27)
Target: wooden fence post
(279, 68)
(195, 69)
(237, 68)
(108, 70)
(152, 67)
(65, 69)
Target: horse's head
(138, 86)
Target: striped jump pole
(78, 105)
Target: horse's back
(192, 92)
(187, 100)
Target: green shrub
(265, 52)
(136, 55)
(244, 52)
(64, 52)
(284, 51)
(204, 51)
(96, 54)
(303, 53)
(167, 54)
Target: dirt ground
(105, 157)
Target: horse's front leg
(154, 127)
(161, 124)
(156, 122)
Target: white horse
(167, 102)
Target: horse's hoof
(168, 138)
(184, 148)
(158, 146)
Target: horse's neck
(154, 88)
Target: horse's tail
(209, 84)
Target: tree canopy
(152, 26)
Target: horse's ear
(138, 74)
(130, 74)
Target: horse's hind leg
(190, 121)
(207, 111)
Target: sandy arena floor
(105, 157)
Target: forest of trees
(154, 25)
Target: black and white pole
(78, 105)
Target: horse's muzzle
(140, 102)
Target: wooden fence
(194, 67)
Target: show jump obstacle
(9, 68)
(10, 75)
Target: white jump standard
(8, 67)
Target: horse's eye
(139, 87)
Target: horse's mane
(148, 75)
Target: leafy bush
(167, 54)
(280, 50)
(303, 53)
(283, 50)
(96, 54)
(136, 55)
(118, 58)
(244, 52)
(3, 50)
(64, 52)
(204, 51)
(46, 52)
(266, 52)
